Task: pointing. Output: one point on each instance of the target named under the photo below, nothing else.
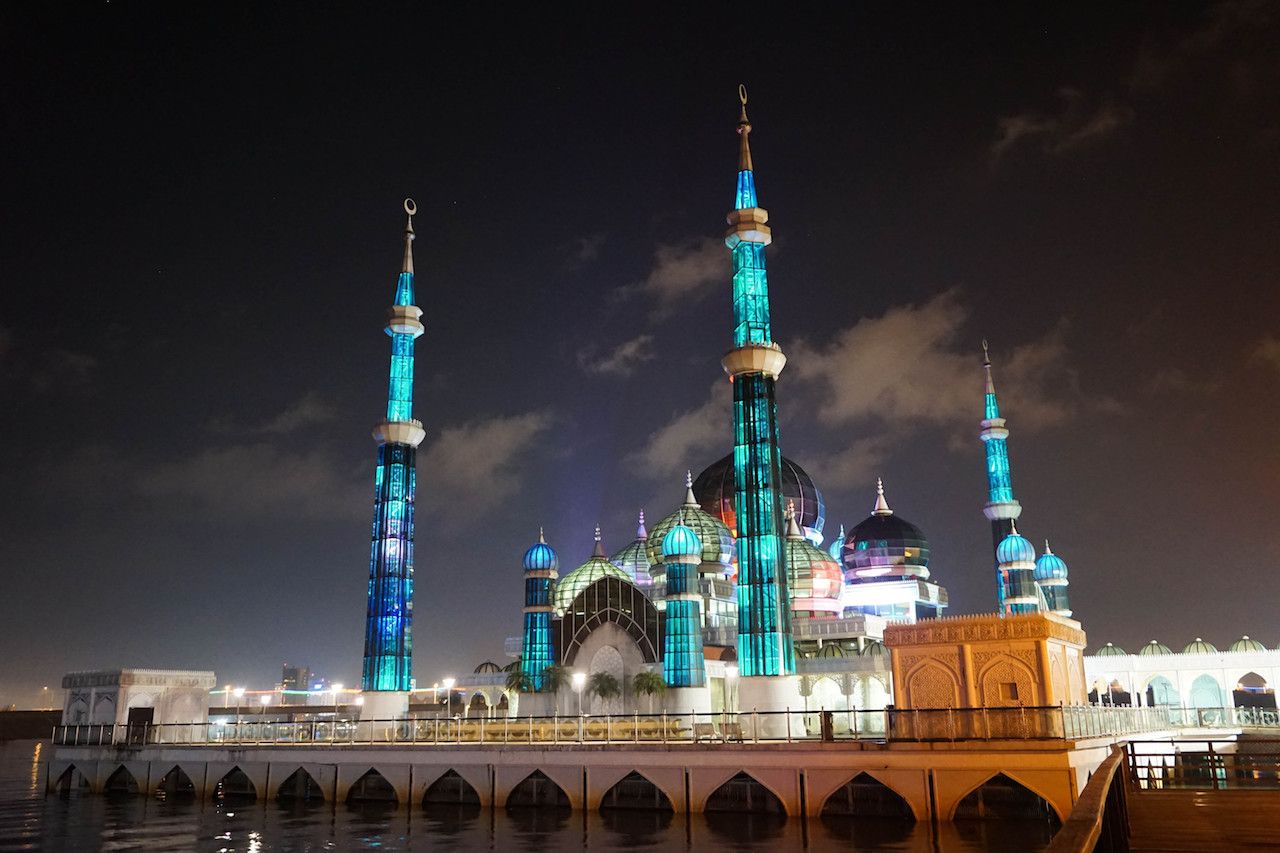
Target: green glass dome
(1200, 647)
(634, 559)
(831, 650)
(1110, 650)
(1244, 644)
(814, 579)
(717, 542)
(595, 568)
(875, 649)
(1155, 648)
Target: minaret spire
(690, 499)
(882, 506)
(1001, 507)
(388, 645)
(765, 646)
(641, 532)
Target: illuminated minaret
(537, 652)
(388, 644)
(764, 618)
(1002, 508)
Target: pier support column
(384, 705)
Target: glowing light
(265, 699)
(238, 692)
(579, 681)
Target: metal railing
(1204, 763)
(1049, 722)
(1099, 821)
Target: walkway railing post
(755, 725)
(787, 712)
(664, 726)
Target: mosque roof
(885, 544)
(1200, 647)
(596, 567)
(541, 556)
(815, 580)
(717, 541)
(1155, 648)
(836, 548)
(1110, 650)
(1015, 548)
(875, 649)
(681, 541)
(634, 559)
(488, 667)
(831, 650)
(1050, 566)
(714, 490)
(1244, 644)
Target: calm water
(30, 821)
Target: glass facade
(683, 664)
(388, 644)
(609, 599)
(537, 652)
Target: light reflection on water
(30, 821)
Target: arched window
(300, 787)
(537, 790)
(610, 600)
(634, 791)
(451, 789)
(1002, 798)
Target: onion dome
(717, 541)
(1110, 650)
(836, 548)
(815, 581)
(831, 650)
(541, 556)
(595, 568)
(1015, 548)
(487, 668)
(885, 546)
(714, 488)
(1244, 644)
(634, 559)
(1155, 648)
(1200, 647)
(1050, 566)
(514, 666)
(681, 541)
(875, 649)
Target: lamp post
(239, 694)
(730, 686)
(448, 683)
(579, 681)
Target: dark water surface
(31, 821)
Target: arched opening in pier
(538, 791)
(121, 783)
(72, 781)
(300, 787)
(743, 793)
(1003, 798)
(866, 796)
(504, 706)
(634, 791)
(175, 783)
(1160, 691)
(451, 789)
(235, 785)
(372, 787)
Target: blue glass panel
(746, 195)
(999, 478)
(992, 408)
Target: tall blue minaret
(388, 643)
(1002, 508)
(764, 618)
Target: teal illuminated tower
(388, 644)
(764, 619)
(683, 664)
(536, 649)
(1002, 508)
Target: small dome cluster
(717, 541)
(634, 559)
(596, 567)
(872, 649)
(1244, 644)
(1198, 646)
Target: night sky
(201, 233)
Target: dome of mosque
(680, 541)
(885, 545)
(1200, 647)
(836, 548)
(1050, 566)
(634, 559)
(714, 491)
(875, 649)
(595, 568)
(514, 666)
(1155, 648)
(1244, 644)
(1015, 549)
(717, 541)
(814, 579)
(831, 650)
(488, 667)
(1110, 650)
(541, 556)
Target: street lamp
(579, 681)
(730, 681)
(448, 692)
(239, 694)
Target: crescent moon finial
(410, 206)
(742, 93)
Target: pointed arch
(235, 783)
(744, 793)
(175, 783)
(1001, 796)
(866, 796)
(932, 685)
(1251, 681)
(537, 790)
(451, 789)
(71, 780)
(1160, 691)
(121, 781)
(372, 787)
(636, 791)
(300, 787)
(1206, 692)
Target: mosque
(730, 601)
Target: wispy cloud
(685, 271)
(1267, 351)
(582, 251)
(308, 411)
(685, 440)
(43, 368)
(622, 360)
(1077, 124)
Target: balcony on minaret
(747, 225)
(754, 358)
(408, 432)
(404, 320)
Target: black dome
(885, 545)
(714, 490)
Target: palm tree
(648, 684)
(604, 685)
(518, 682)
(554, 678)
